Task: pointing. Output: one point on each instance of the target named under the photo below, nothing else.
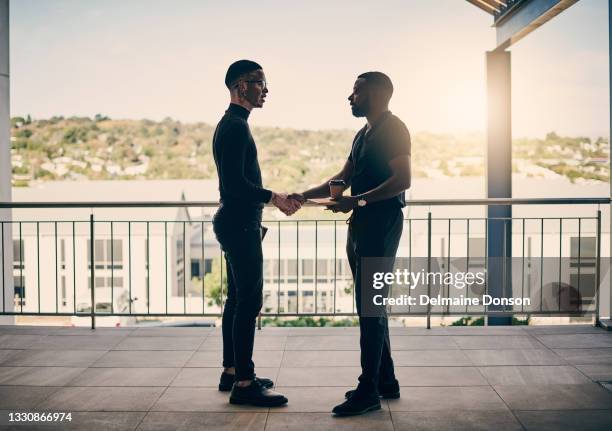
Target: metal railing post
(428, 269)
(92, 283)
(598, 268)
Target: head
(246, 82)
(371, 93)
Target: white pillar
(6, 281)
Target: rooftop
(502, 378)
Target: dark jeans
(244, 258)
(373, 234)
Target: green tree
(212, 283)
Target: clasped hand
(287, 204)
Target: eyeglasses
(261, 82)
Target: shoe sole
(391, 396)
(366, 410)
(239, 401)
(227, 389)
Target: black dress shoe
(227, 381)
(357, 405)
(256, 395)
(388, 391)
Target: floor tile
(54, 358)
(422, 342)
(24, 397)
(319, 376)
(19, 341)
(514, 357)
(77, 342)
(38, 376)
(579, 420)
(447, 399)
(103, 399)
(586, 356)
(555, 397)
(439, 376)
(236, 421)
(144, 358)
(379, 421)
(159, 343)
(576, 341)
(434, 358)
(172, 331)
(91, 421)
(456, 421)
(538, 375)
(597, 372)
(125, 377)
(562, 329)
(176, 399)
(497, 342)
(321, 358)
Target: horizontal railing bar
(211, 204)
(412, 313)
(289, 220)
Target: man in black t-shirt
(378, 172)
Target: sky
(157, 58)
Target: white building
(155, 260)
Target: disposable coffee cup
(336, 188)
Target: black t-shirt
(387, 139)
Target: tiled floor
(463, 378)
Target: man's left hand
(344, 204)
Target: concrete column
(499, 175)
(6, 279)
(610, 146)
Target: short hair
(379, 80)
(239, 68)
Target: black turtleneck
(240, 187)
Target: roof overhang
(515, 19)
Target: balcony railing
(100, 266)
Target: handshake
(288, 204)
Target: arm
(397, 183)
(322, 190)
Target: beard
(361, 110)
(256, 101)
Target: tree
(212, 283)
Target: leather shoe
(227, 381)
(388, 391)
(256, 395)
(357, 405)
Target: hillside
(101, 148)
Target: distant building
(155, 260)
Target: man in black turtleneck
(237, 225)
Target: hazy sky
(159, 58)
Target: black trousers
(244, 259)
(375, 233)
